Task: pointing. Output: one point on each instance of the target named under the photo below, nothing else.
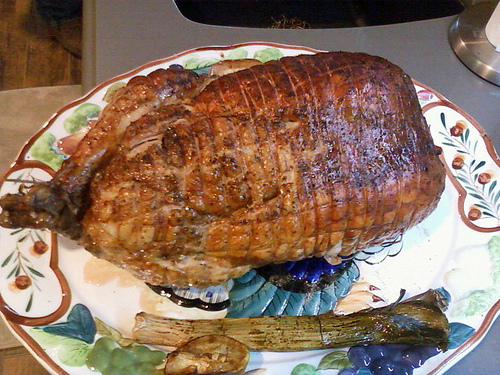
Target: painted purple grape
(416, 356)
(388, 366)
(358, 356)
(390, 359)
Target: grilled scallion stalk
(416, 321)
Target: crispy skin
(318, 155)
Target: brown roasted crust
(59, 204)
(190, 180)
(306, 156)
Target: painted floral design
(20, 268)
(475, 173)
(198, 63)
(384, 358)
(82, 340)
(20, 265)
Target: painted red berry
(22, 282)
(474, 214)
(484, 178)
(40, 247)
(457, 162)
(458, 128)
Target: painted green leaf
(143, 354)
(336, 360)
(38, 236)
(112, 89)
(35, 272)
(268, 54)
(459, 333)
(14, 271)
(7, 260)
(479, 301)
(105, 330)
(46, 340)
(73, 352)
(195, 62)
(44, 149)
(29, 305)
(496, 278)
(80, 116)
(14, 232)
(237, 53)
(494, 247)
(98, 358)
(304, 369)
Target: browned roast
(315, 155)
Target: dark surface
(315, 13)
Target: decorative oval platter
(71, 309)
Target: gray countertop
(122, 34)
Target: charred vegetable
(211, 354)
(416, 321)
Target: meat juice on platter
(191, 179)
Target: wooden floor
(30, 57)
(29, 54)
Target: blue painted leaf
(443, 119)
(295, 304)
(479, 165)
(80, 325)
(247, 287)
(482, 205)
(311, 305)
(462, 179)
(493, 186)
(278, 304)
(486, 213)
(327, 300)
(459, 333)
(475, 195)
(466, 134)
(444, 293)
(253, 305)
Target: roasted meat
(188, 179)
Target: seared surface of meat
(189, 180)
